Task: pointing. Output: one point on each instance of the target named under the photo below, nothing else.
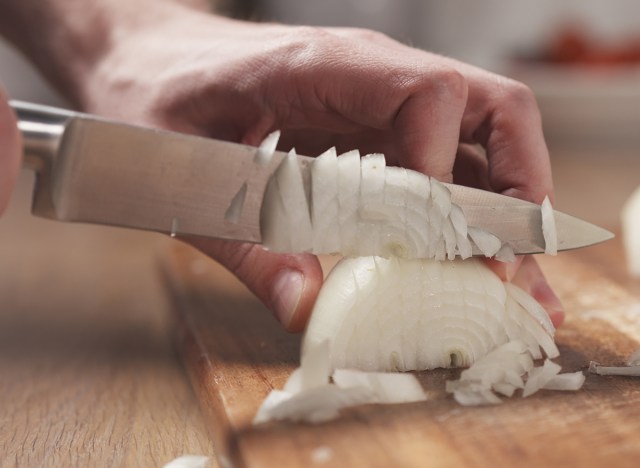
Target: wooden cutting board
(236, 353)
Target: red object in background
(574, 45)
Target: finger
(471, 167)
(504, 118)
(287, 284)
(10, 151)
(530, 278)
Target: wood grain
(236, 353)
(88, 372)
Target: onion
(549, 228)
(379, 210)
(285, 218)
(267, 148)
(189, 461)
(540, 376)
(570, 381)
(631, 232)
(387, 387)
(324, 207)
(392, 314)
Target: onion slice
(549, 228)
(569, 381)
(540, 376)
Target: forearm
(66, 39)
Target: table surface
(89, 376)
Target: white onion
(387, 387)
(188, 461)
(488, 244)
(267, 148)
(549, 228)
(379, 210)
(324, 202)
(390, 314)
(570, 381)
(630, 217)
(285, 218)
(539, 377)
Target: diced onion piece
(189, 461)
(486, 242)
(387, 387)
(285, 217)
(505, 254)
(569, 381)
(314, 371)
(549, 228)
(316, 405)
(539, 377)
(324, 202)
(441, 197)
(267, 148)
(631, 232)
(348, 199)
(476, 398)
(532, 306)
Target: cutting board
(235, 354)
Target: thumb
(287, 284)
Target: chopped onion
(387, 387)
(549, 228)
(540, 376)
(267, 148)
(189, 461)
(570, 381)
(505, 254)
(379, 210)
(488, 244)
(285, 217)
(630, 217)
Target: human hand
(349, 88)
(10, 151)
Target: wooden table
(88, 376)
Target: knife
(93, 170)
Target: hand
(197, 73)
(10, 150)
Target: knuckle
(448, 83)
(518, 94)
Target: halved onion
(396, 314)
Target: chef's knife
(94, 170)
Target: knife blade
(99, 171)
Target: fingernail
(543, 293)
(285, 295)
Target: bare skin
(170, 65)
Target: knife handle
(41, 128)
